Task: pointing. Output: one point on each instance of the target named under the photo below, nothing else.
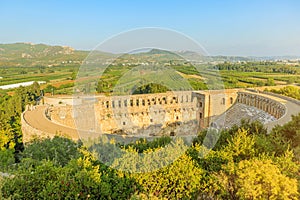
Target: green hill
(27, 54)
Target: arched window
(223, 101)
(131, 102)
(231, 100)
(113, 104)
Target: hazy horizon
(149, 49)
(227, 28)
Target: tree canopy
(245, 163)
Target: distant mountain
(149, 55)
(137, 51)
(160, 51)
(33, 50)
(28, 54)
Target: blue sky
(244, 27)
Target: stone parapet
(30, 132)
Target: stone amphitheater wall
(61, 114)
(133, 114)
(151, 113)
(266, 104)
(216, 102)
(30, 132)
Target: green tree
(59, 150)
(289, 91)
(81, 178)
(179, 180)
(262, 179)
(73, 75)
(11, 108)
(150, 88)
(270, 82)
(291, 134)
(6, 159)
(101, 85)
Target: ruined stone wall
(135, 113)
(215, 103)
(132, 114)
(58, 100)
(62, 114)
(171, 113)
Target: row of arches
(268, 105)
(147, 101)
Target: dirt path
(190, 75)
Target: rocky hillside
(27, 54)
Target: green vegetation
(200, 77)
(265, 67)
(290, 133)
(31, 55)
(245, 163)
(64, 151)
(258, 73)
(81, 178)
(59, 66)
(11, 108)
(289, 91)
(142, 145)
(150, 88)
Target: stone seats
(237, 112)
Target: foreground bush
(246, 163)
